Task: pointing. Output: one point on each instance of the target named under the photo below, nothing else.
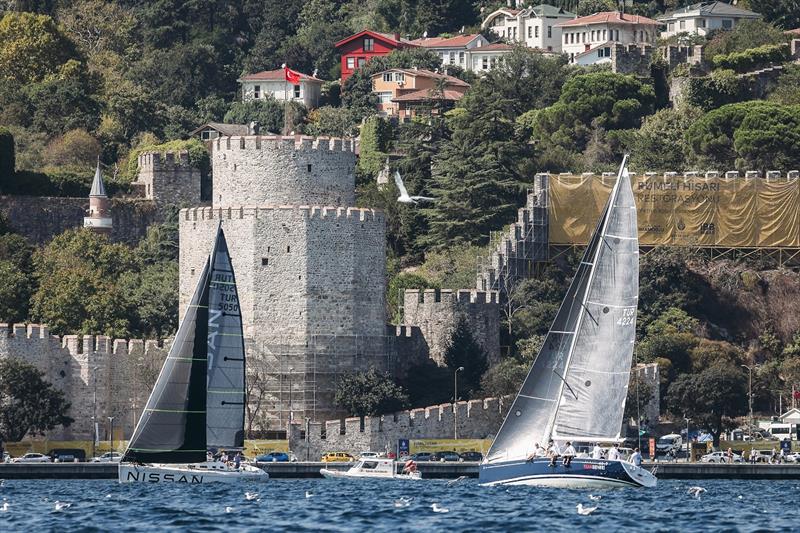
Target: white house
(703, 17)
(454, 50)
(273, 83)
(584, 34)
(535, 27)
(488, 57)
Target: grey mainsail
(552, 383)
(226, 364)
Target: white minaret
(99, 219)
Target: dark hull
(582, 473)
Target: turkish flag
(796, 395)
(292, 76)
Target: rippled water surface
(347, 505)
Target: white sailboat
(577, 386)
(198, 400)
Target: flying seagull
(404, 198)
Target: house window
(549, 32)
(351, 63)
(617, 35)
(452, 58)
(536, 31)
(387, 76)
(566, 38)
(399, 76)
(461, 58)
(641, 35)
(727, 24)
(583, 37)
(701, 23)
(369, 44)
(297, 91)
(604, 35)
(592, 35)
(257, 92)
(682, 24)
(385, 97)
(362, 61)
(485, 63)
(671, 26)
(530, 32)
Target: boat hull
(190, 474)
(347, 474)
(582, 473)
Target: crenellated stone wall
(475, 419)
(169, 177)
(123, 370)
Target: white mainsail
(577, 386)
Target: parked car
(448, 457)
(422, 456)
(471, 456)
(337, 457)
(32, 458)
(763, 456)
(273, 457)
(669, 443)
(719, 457)
(68, 455)
(108, 457)
(793, 457)
(369, 455)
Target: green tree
(792, 348)
(708, 353)
(64, 101)
(369, 393)
(78, 290)
(332, 121)
(711, 398)
(152, 295)
(28, 403)
(676, 348)
(768, 138)
(745, 35)
(7, 156)
(666, 282)
(269, 113)
(376, 133)
(673, 320)
(464, 352)
(783, 13)
(659, 145)
(33, 47)
(588, 7)
(597, 100)
(787, 91)
(16, 269)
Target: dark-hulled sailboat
(198, 400)
(577, 386)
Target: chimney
(397, 37)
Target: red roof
(610, 17)
(427, 94)
(496, 47)
(443, 42)
(394, 39)
(451, 80)
(275, 75)
(795, 31)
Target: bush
(752, 58)
(720, 88)
(198, 156)
(269, 113)
(7, 158)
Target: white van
(783, 431)
(669, 443)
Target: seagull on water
(229, 509)
(4, 507)
(585, 510)
(456, 480)
(403, 501)
(439, 509)
(309, 494)
(695, 491)
(404, 198)
(595, 498)
(250, 496)
(60, 506)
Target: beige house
(402, 91)
(584, 34)
(703, 17)
(273, 83)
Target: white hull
(347, 474)
(568, 482)
(212, 472)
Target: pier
(429, 470)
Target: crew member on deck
(636, 457)
(538, 451)
(613, 453)
(569, 453)
(553, 451)
(597, 451)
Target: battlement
(300, 143)
(163, 161)
(79, 344)
(449, 296)
(692, 174)
(353, 214)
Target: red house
(357, 49)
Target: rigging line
(565, 383)
(596, 323)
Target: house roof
(610, 17)
(276, 75)
(496, 47)
(426, 94)
(546, 10)
(705, 9)
(451, 80)
(795, 31)
(390, 38)
(791, 412)
(459, 41)
(227, 130)
(98, 187)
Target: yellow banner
(684, 211)
(16, 449)
(447, 445)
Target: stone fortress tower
(99, 219)
(309, 268)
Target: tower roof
(98, 187)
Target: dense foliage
(369, 393)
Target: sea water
(395, 506)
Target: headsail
(172, 428)
(551, 379)
(225, 395)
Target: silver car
(32, 458)
(108, 457)
(720, 457)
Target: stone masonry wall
(40, 218)
(436, 313)
(477, 419)
(125, 371)
(276, 170)
(169, 178)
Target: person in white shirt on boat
(569, 453)
(553, 451)
(597, 451)
(636, 457)
(538, 451)
(613, 453)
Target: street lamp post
(291, 412)
(455, 402)
(94, 411)
(688, 440)
(111, 423)
(308, 437)
(750, 400)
